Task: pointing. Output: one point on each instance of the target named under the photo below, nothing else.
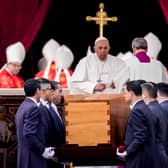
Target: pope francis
(99, 72)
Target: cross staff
(101, 18)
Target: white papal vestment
(90, 70)
(153, 71)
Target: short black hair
(54, 85)
(162, 88)
(43, 80)
(150, 88)
(44, 83)
(135, 86)
(31, 86)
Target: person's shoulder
(39, 74)
(112, 57)
(20, 78)
(160, 64)
(141, 106)
(4, 74)
(132, 61)
(3, 71)
(115, 59)
(81, 61)
(87, 58)
(138, 110)
(155, 61)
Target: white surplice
(153, 71)
(90, 70)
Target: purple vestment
(143, 57)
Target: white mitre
(49, 52)
(63, 57)
(120, 55)
(89, 51)
(154, 45)
(49, 49)
(126, 56)
(15, 53)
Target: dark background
(66, 24)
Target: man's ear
(133, 50)
(94, 48)
(132, 93)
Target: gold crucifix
(101, 18)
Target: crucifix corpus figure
(101, 19)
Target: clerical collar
(142, 57)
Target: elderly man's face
(102, 48)
(14, 67)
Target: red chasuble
(8, 80)
(52, 74)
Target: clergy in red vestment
(48, 52)
(63, 58)
(59, 59)
(9, 78)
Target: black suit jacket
(30, 136)
(139, 137)
(54, 127)
(159, 121)
(164, 106)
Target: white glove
(48, 153)
(122, 155)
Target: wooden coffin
(95, 126)
(95, 119)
